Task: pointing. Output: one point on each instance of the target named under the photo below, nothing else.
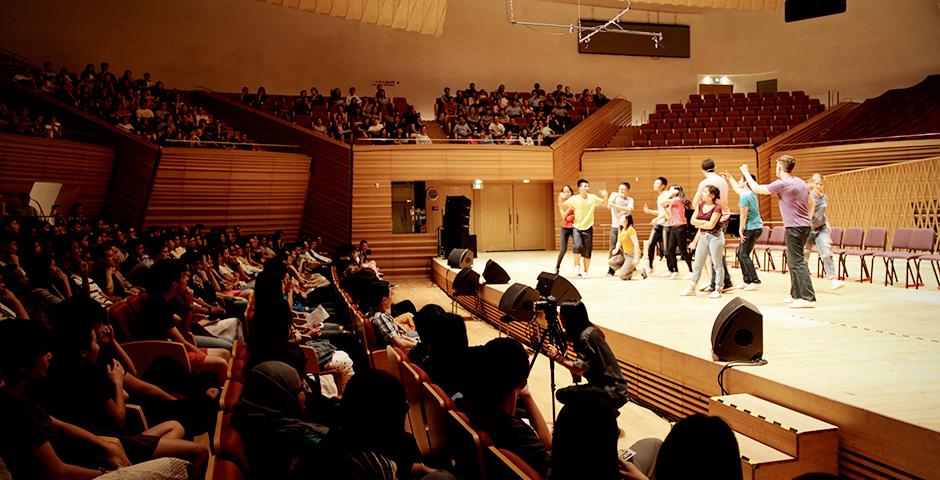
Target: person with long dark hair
(699, 445)
(584, 445)
(594, 360)
(567, 224)
(710, 240)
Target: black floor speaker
(517, 301)
(738, 333)
(466, 282)
(493, 274)
(460, 258)
(554, 285)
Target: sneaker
(666, 275)
(837, 284)
(751, 286)
(788, 300)
(742, 286)
(673, 275)
(687, 292)
(707, 289)
(714, 295)
(643, 272)
(800, 303)
(689, 276)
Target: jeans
(823, 242)
(724, 264)
(744, 255)
(676, 239)
(656, 238)
(801, 285)
(566, 233)
(709, 245)
(212, 342)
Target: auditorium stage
(866, 359)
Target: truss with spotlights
(585, 33)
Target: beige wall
(225, 44)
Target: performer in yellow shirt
(584, 204)
(628, 244)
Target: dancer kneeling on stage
(595, 361)
(625, 256)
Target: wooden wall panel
(83, 169)
(594, 132)
(830, 159)
(607, 168)
(328, 204)
(133, 168)
(450, 167)
(905, 194)
(259, 191)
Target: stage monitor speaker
(517, 302)
(554, 285)
(466, 282)
(460, 258)
(493, 274)
(738, 333)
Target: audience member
(493, 409)
(271, 418)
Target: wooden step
(813, 443)
(760, 461)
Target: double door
(515, 216)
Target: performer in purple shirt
(796, 208)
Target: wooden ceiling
(419, 16)
(681, 6)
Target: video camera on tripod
(522, 303)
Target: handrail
(670, 147)
(470, 141)
(864, 139)
(215, 142)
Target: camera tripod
(554, 334)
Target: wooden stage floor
(871, 348)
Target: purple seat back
(853, 238)
(902, 239)
(835, 233)
(922, 240)
(778, 236)
(877, 238)
(764, 234)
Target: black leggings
(676, 238)
(566, 233)
(656, 238)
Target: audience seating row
(443, 433)
(726, 119)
